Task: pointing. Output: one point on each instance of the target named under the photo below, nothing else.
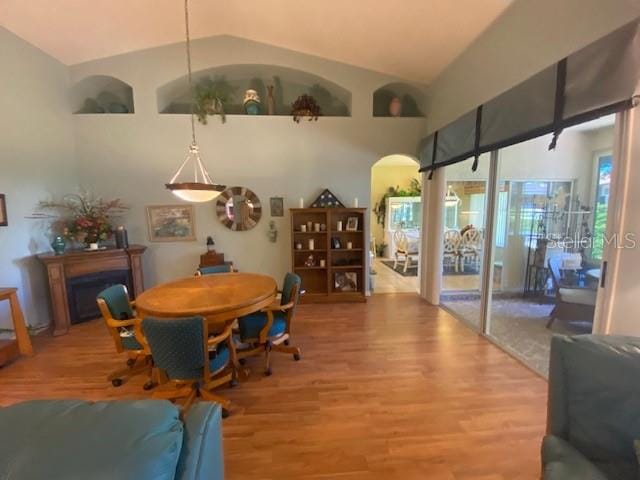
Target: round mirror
(238, 208)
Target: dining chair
(403, 248)
(470, 248)
(451, 248)
(119, 317)
(270, 329)
(214, 269)
(193, 362)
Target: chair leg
(406, 264)
(395, 262)
(212, 397)
(267, 359)
(137, 367)
(295, 351)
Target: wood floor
(391, 389)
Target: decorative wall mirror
(238, 208)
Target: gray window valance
(600, 79)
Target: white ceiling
(412, 39)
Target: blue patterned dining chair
(193, 362)
(270, 329)
(120, 319)
(214, 269)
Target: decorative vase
(122, 237)
(251, 102)
(395, 107)
(271, 102)
(58, 245)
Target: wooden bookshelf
(342, 277)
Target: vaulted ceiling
(411, 39)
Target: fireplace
(82, 292)
(77, 276)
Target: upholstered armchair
(193, 362)
(270, 329)
(214, 269)
(122, 324)
(593, 415)
(572, 303)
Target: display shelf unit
(334, 100)
(102, 94)
(342, 278)
(411, 98)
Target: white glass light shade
(201, 189)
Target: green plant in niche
(211, 96)
(380, 209)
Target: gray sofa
(594, 409)
(124, 440)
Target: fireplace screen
(82, 292)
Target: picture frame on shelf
(276, 205)
(345, 281)
(352, 224)
(335, 243)
(4, 221)
(171, 223)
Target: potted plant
(305, 106)
(211, 96)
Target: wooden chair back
(401, 241)
(117, 312)
(452, 241)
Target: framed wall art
(3, 210)
(277, 206)
(171, 223)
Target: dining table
(219, 298)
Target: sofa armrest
(561, 461)
(201, 455)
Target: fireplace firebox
(82, 292)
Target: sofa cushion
(560, 461)
(602, 399)
(71, 439)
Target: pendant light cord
(191, 89)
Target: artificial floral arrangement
(210, 95)
(83, 217)
(415, 190)
(305, 106)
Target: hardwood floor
(390, 389)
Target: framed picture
(352, 224)
(171, 223)
(335, 243)
(346, 281)
(3, 211)
(277, 206)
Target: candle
(339, 226)
(311, 244)
(301, 204)
(355, 202)
(316, 227)
(322, 262)
(349, 245)
(303, 228)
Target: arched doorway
(396, 221)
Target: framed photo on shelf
(171, 223)
(335, 243)
(277, 206)
(346, 281)
(3, 211)
(352, 224)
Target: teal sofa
(594, 409)
(124, 440)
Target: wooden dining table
(220, 298)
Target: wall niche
(102, 94)
(288, 84)
(411, 100)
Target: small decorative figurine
(273, 232)
(251, 102)
(271, 101)
(210, 244)
(310, 261)
(58, 245)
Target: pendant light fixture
(202, 188)
(451, 199)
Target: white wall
(383, 177)
(132, 156)
(36, 160)
(528, 37)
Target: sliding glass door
(535, 271)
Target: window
(603, 182)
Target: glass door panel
(464, 236)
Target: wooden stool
(10, 349)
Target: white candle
(311, 244)
(349, 245)
(322, 262)
(355, 202)
(301, 204)
(339, 226)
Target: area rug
(412, 271)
